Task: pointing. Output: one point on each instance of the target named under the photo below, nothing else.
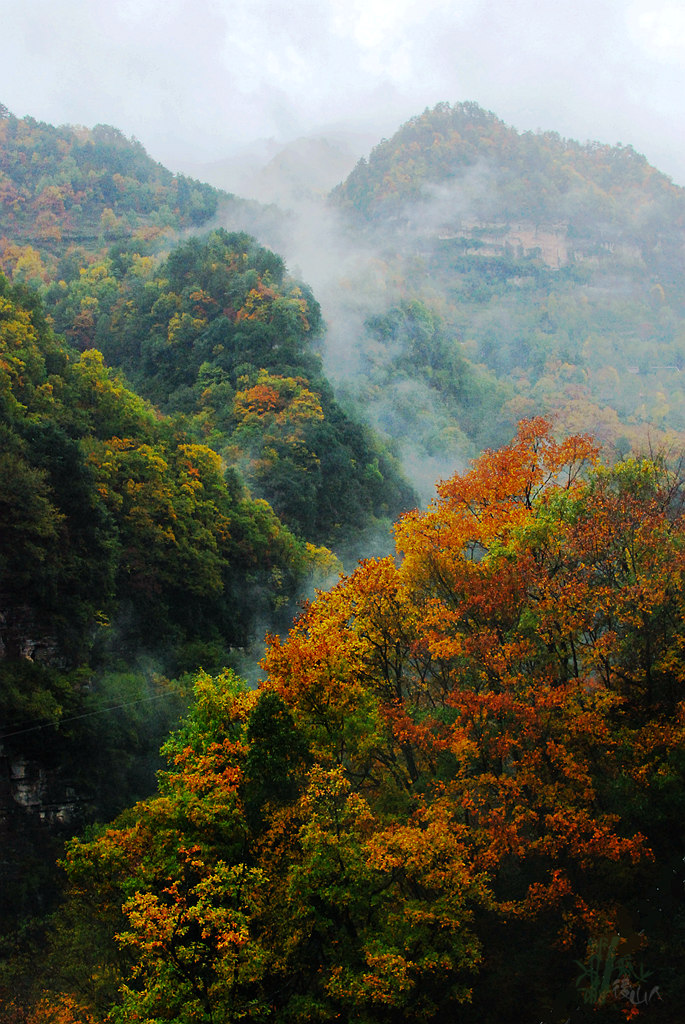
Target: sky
(197, 80)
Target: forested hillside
(128, 555)
(454, 787)
(112, 513)
(458, 794)
(555, 269)
(73, 189)
(213, 328)
(502, 175)
(137, 541)
(219, 332)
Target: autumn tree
(461, 777)
(505, 675)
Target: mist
(202, 82)
(277, 103)
(361, 268)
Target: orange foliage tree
(463, 770)
(516, 674)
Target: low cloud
(200, 80)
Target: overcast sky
(194, 80)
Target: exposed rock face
(38, 811)
(548, 242)
(37, 791)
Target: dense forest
(147, 532)
(453, 787)
(65, 188)
(457, 793)
(553, 269)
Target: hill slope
(74, 186)
(558, 267)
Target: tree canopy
(220, 333)
(112, 514)
(457, 792)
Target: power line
(87, 714)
